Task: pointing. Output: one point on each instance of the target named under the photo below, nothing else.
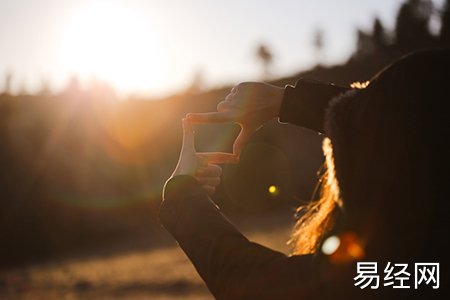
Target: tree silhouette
(45, 88)
(198, 82)
(23, 89)
(318, 44)
(444, 38)
(364, 45)
(266, 58)
(74, 86)
(8, 78)
(380, 37)
(411, 26)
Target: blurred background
(91, 98)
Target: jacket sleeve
(232, 266)
(305, 104)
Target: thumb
(188, 136)
(187, 163)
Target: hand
(251, 105)
(197, 164)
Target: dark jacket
(235, 268)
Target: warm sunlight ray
(115, 44)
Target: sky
(155, 48)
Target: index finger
(241, 140)
(209, 117)
(218, 158)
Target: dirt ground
(160, 273)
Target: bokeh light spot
(330, 245)
(274, 190)
(350, 248)
(261, 180)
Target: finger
(241, 140)
(188, 135)
(218, 158)
(209, 189)
(212, 181)
(209, 171)
(210, 117)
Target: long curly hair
(318, 217)
(387, 163)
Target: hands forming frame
(251, 105)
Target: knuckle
(209, 189)
(212, 190)
(222, 106)
(219, 170)
(205, 172)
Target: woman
(385, 194)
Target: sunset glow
(115, 44)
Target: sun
(115, 44)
